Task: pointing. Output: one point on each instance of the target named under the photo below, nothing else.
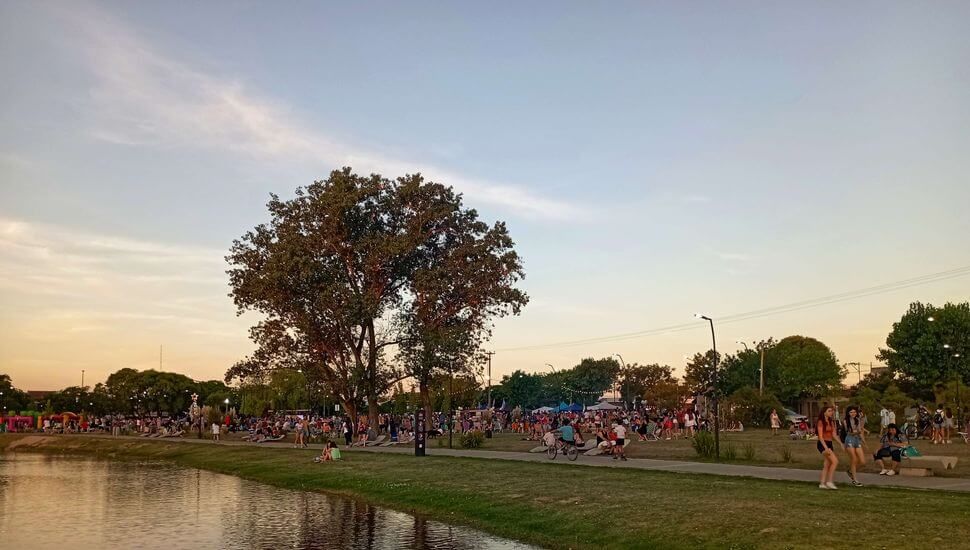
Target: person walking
(775, 422)
(883, 420)
(825, 428)
(620, 430)
(854, 442)
(948, 424)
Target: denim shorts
(853, 441)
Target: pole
(159, 357)
(489, 380)
(82, 379)
(761, 386)
(451, 405)
(717, 412)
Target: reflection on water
(67, 503)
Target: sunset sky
(651, 160)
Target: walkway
(763, 472)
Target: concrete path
(762, 472)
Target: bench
(924, 466)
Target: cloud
(734, 256)
(41, 259)
(143, 97)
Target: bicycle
(571, 451)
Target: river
(80, 503)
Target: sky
(651, 160)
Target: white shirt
(620, 431)
(215, 429)
(884, 415)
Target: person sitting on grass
(892, 444)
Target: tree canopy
(927, 353)
(353, 265)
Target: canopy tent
(603, 406)
(544, 409)
(574, 407)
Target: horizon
(650, 162)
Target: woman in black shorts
(825, 429)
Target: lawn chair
(965, 436)
(651, 432)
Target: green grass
(561, 506)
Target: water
(80, 503)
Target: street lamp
(623, 371)
(717, 415)
(227, 405)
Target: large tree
(799, 366)
(640, 380)
(928, 352)
(338, 273)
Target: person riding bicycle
(566, 433)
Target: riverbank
(559, 506)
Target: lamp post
(623, 372)
(959, 405)
(227, 405)
(717, 413)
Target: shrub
(472, 440)
(786, 454)
(730, 453)
(748, 451)
(703, 443)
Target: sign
(420, 432)
(336, 407)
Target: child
(215, 431)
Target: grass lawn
(560, 506)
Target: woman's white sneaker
(891, 473)
(822, 486)
(883, 472)
(831, 485)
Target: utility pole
(159, 358)
(82, 379)
(761, 385)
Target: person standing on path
(215, 431)
(620, 430)
(854, 442)
(825, 428)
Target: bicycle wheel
(572, 453)
(551, 451)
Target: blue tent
(562, 407)
(575, 407)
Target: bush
(730, 453)
(748, 451)
(751, 408)
(472, 440)
(703, 443)
(786, 454)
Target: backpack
(840, 427)
(938, 418)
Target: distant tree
(639, 381)
(916, 347)
(744, 369)
(750, 407)
(669, 395)
(521, 388)
(591, 377)
(801, 367)
(12, 398)
(699, 372)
